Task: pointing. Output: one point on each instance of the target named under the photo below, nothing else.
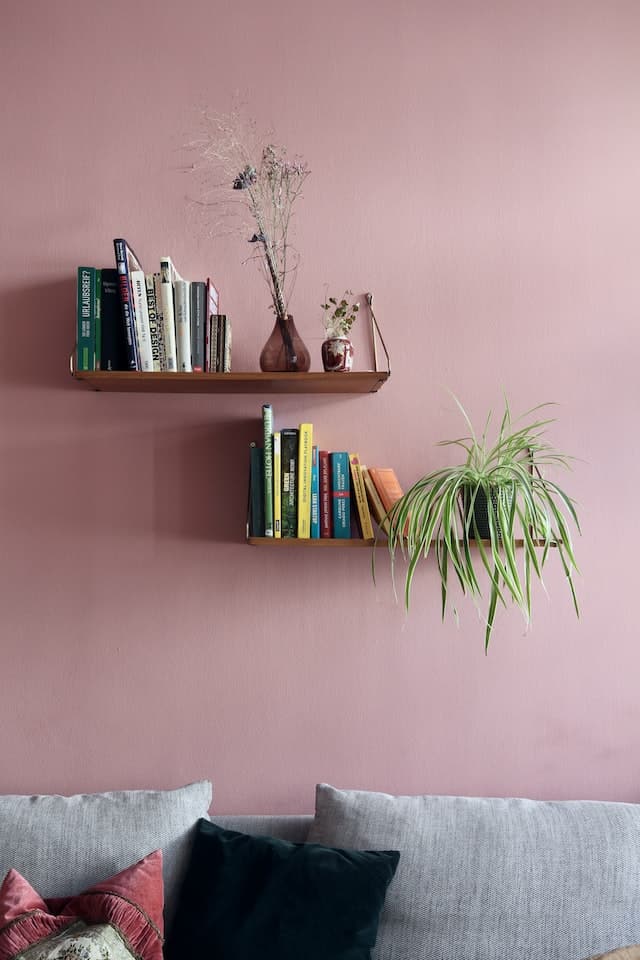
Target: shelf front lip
(308, 542)
(355, 382)
(353, 542)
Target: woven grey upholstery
(495, 879)
(62, 845)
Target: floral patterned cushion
(80, 942)
(118, 919)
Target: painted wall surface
(475, 165)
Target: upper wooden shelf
(118, 381)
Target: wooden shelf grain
(119, 381)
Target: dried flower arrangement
(267, 185)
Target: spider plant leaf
(493, 602)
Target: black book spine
(256, 492)
(198, 303)
(126, 303)
(289, 503)
(113, 346)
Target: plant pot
(337, 355)
(480, 521)
(284, 351)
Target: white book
(183, 324)
(167, 273)
(157, 292)
(143, 332)
(154, 323)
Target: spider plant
(527, 515)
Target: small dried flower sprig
(340, 315)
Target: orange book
(387, 485)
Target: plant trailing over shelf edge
(521, 505)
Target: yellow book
(377, 507)
(305, 443)
(360, 492)
(277, 486)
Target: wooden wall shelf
(119, 381)
(333, 542)
(324, 542)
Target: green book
(267, 424)
(86, 319)
(256, 492)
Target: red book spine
(325, 493)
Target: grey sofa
(479, 879)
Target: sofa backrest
(291, 827)
(63, 845)
(492, 878)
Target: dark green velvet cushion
(246, 897)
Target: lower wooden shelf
(333, 542)
(324, 542)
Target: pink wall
(476, 166)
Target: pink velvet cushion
(131, 903)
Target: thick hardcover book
(183, 324)
(267, 426)
(126, 302)
(375, 503)
(305, 443)
(141, 311)
(255, 523)
(340, 495)
(167, 273)
(326, 517)
(198, 313)
(155, 332)
(289, 453)
(86, 319)
(315, 494)
(113, 348)
(362, 512)
(277, 486)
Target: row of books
(297, 489)
(151, 322)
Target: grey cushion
(495, 879)
(62, 845)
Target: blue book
(340, 495)
(315, 495)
